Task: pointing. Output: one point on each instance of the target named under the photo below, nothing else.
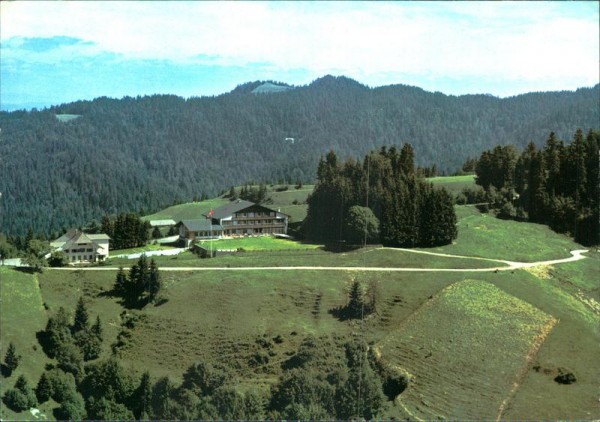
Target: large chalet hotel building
(238, 218)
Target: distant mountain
(148, 152)
(270, 88)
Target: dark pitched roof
(228, 209)
(236, 206)
(201, 225)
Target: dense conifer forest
(557, 185)
(108, 156)
(398, 208)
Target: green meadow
(22, 315)
(486, 236)
(477, 345)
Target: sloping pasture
(467, 349)
(22, 315)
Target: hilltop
(146, 153)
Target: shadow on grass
(28, 270)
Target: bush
(20, 397)
(62, 385)
(58, 259)
(72, 408)
(15, 400)
(108, 410)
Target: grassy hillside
(489, 237)
(22, 315)
(454, 184)
(482, 334)
(466, 350)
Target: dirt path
(576, 255)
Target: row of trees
(126, 230)
(556, 185)
(407, 210)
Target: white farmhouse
(82, 247)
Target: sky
(61, 51)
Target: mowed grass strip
(465, 349)
(22, 315)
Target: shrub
(15, 400)
(20, 397)
(58, 259)
(72, 408)
(62, 384)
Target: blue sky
(55, 52)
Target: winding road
(576, 255)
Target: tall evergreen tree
(43, 390)
(154, 283)
(142, 398)
(81, 321)
(11, 359)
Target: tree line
(557, 185)
(381, 199)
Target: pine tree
(153, 281)
(96, 329)
(11, 359)
(81, 321)
(23, 386)
(120, 286)
(142, 397)
(43, 390)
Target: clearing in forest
(466, 349)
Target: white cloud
(539, 42)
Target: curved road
(576, 255)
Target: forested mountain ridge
(148, 152)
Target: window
(88, 250)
